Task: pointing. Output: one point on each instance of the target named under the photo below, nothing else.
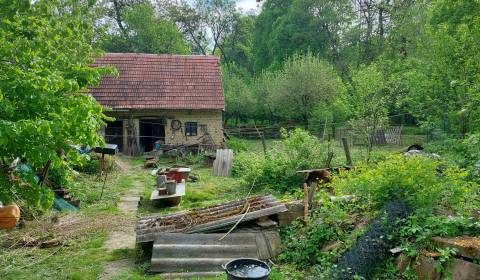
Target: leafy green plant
(87, 164)
(278, 169)
(329, 226)
(416, 180)
(237, 145)
(193, 158)
(45, 73)
(464, 152)
(420, 228)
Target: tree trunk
(118, 16)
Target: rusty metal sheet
(208, 219)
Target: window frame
(191, 129)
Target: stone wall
(211, 120)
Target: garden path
(124, 238)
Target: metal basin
(247, 269)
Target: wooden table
(168, 200)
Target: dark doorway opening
(151, 130)
(114, 134)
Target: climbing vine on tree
(45, 109)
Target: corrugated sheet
(148, 81)
(208, 219)
(200, 253)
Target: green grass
(79, 257)
(208, 190)
(83, 257)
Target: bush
(464, 152)
(195, 158)
(60, 176)
(237, 145)
(416, 180)
(299, 150)
(303, 243)
(426, 189)
(90, 163)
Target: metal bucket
(161, 181)
(247, 269)
(171, 187)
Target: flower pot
(9, 216)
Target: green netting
(61, 204)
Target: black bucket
(247, 269)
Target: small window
(191, 129)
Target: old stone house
(166, 99)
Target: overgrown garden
(311, 66)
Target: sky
(247, 5)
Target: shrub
(416, 180)
(464, 152)
(237, 145)
(195, 158)
(303, 243)
(299, 150)
(90, 163)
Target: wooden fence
(254, 132)
(390, 136)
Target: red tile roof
(148, 81)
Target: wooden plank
(180, 192)
(463, 270)
(229, 163)
(232, 220)
(222, 166)
(467, 247)
(222, 214)
(265, 199)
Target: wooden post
(102, 164)
(262, 136)
(45, 172)
(324, 128)
(305, 202)
(347, 151)
(329, 153)
(264, 144)
(102, 167)
(311, 193)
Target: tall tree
(145, 31)
(298, 26)
(237, 48)
(45, 54)
(443, 74)
(205, 23)
(265, 56)
(302, 84)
